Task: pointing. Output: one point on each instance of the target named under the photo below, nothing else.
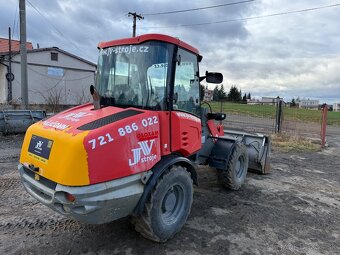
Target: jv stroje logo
(38, 145)
(145, 148)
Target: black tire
(235, 174)
(168, 207)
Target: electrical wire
(53, 26)
(15, 20)
(250, 18)
(198, 9)
(60, 78)
(42, 15)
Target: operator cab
(153, 72)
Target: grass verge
(288, 143)
(269, 111)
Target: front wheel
(235, 174)
(168, 207)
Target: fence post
(324, 125)
(278, 120)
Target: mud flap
(220, 153)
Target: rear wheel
(168, 206)
(235, 174)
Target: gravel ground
(293, 210)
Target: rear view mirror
(212, 77)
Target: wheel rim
(173, 204)
(240, 167)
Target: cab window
(186, 87)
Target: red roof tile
(15, 45)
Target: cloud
(289, 55)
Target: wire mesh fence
(265, 125)
(302, 122)
(268, 118)
(258, 118)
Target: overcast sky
(287, 55)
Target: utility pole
(135, 16)
(23, 55)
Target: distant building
(253, 101)
(208, 95)
(51, 72)
(270, 100)
(308, 104)
(336, 107)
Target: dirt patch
(293, 210)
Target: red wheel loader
(135, 150)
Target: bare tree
(83, 97)
(53, 98)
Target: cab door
(185, 127)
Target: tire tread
(143, 223)
(226, 175)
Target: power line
(250, 18)
(199, 8)
(62, 77)
(54, 27)
(15, 19)
(42, 15)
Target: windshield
(134, 75)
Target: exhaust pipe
(96, 97)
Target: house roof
(53, 49)
(62, 51)
(15, 45)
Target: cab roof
(149, 37)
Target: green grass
(269, 111)
(333, 118)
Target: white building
(270, 100)
(51, 72)
(336, 107)
(308, 104)
(208, 94)
(253, 101)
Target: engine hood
(79, 119)
(82, 146)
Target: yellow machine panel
(67, 161)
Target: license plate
(40, 148)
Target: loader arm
(218, 144)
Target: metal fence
(249, 118)
(264, 124)
(295, 122)
(271, 118)
(17, 121)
